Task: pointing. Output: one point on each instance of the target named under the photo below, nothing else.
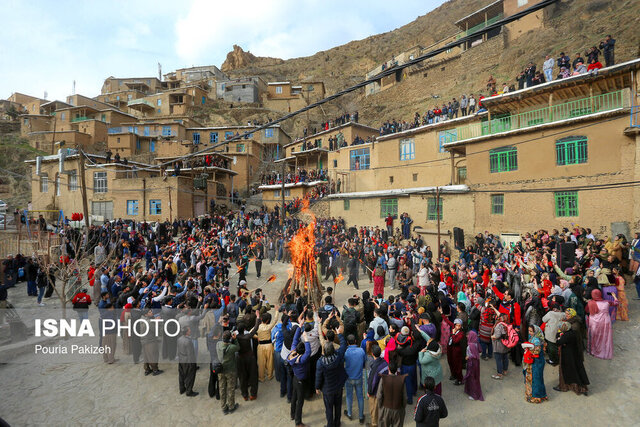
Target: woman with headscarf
(533, 371)
(609, 291)
(472, 376)
(623, 307)
(462, 297)
(600, 340)
(455, 349)
(429, 359)
(487, 321)
(571, 372)
(378, 280)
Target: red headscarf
(592, 305)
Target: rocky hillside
(570, 25)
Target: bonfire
(304, 273)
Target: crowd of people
(583, 63)
(518, 304)
(301, 175)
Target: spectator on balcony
(580, 69)
(537, 79)
(529, 73)
(608, 46)
(592, 53)
(521, 79)
(547, 68)
(464, 103)
(577, 60)
(472, 104)
(594, 66)
(564, 73)
(455, 105)
(563, 61)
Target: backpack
(512, 338)
(349, 317)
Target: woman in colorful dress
(472, 376)
(378, 280)
(600, 339)
(487, 320)
(533, 371)
(623, 302)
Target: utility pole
(438, 216)
(282, 194)
(170, 205)
(144, 199)
(83, 183)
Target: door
(198, 206)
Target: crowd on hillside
(513, 303)
(330, 124)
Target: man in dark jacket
(247, 363)
(330, 378)
(607, 47)
(430, 408)
(379, 366)
(298, 359)
(186, 363)
(391, 397)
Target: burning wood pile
(304, 275)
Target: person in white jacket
(423, 279)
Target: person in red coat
(456, 349)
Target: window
(445, 137)
(99, 182)
(118, 140)
(138, 144)
(359, 159)
(146, 131)
(132, 207)
(390, 180)
(566, 203)
(347, 204)
(240, 148)
(152, 146)
(503, 159)
(407, 149)
(103, 209)
(228, 134)
(415, 176)
(129, 97)
(388, 207)
(196, 138)
(268, 133)
(276, 193)
(159, 102)
(62, 116)
(335, 163)
(462, 174)
(287, 192)
(278, 89)
(522, 2)
(166, 130)
(213, 137)
(117, 97)
(155, 207)
(432, 215)
(73, 181)
(571, 150)
(204, 100)
(497, 204)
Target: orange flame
(338, 279)
(271, 278)
(302, 247)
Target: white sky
(46, 45)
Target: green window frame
(504, 159)
(497, 204)
(407, 149)
(388, 207)
(347, 204)
(571, 150)
(566, 203)
(432, 214)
